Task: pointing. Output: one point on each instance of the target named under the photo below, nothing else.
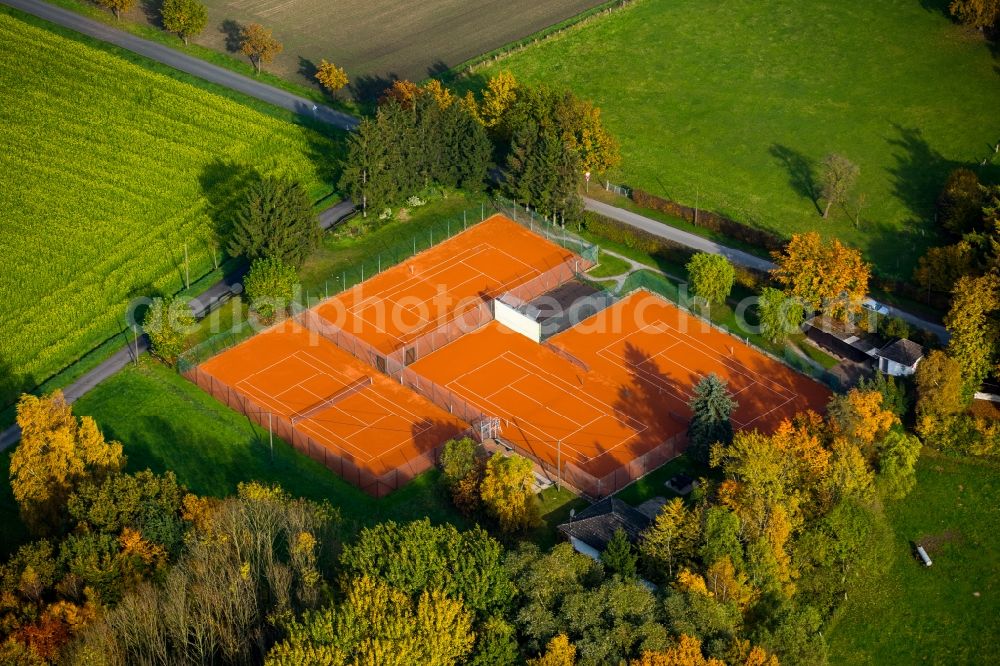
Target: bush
(894, 327)
(710, 221)
(270, 287)
(167, 323)
(960, 204)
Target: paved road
(184, 62)
(662, 230)
(736, 256)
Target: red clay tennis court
(607, 399)
(451, 282)
(358, 422)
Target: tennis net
(326, 403)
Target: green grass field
(732, 105)
(168, 423)
(945, 614)
(112, 171)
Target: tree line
(542, 141)
(133, 568)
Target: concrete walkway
(178, 60)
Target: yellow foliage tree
(507, 492)
(726, 584)
(376, 624)
(824, 276)
(687, 652)
(439, 93)
(599, 151)
(939, 391)
(500, 94)
(941, 267)
(850, 475)
(330, 76)
(559, 652)
(117, 6)
(670, 540)
(974, 331)
(688, 581)
(860, 417)
(56, 454)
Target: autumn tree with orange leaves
(826, 276)
(259, 44)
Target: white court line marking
(547, 408)
(332, 438)
(569, 388)
(707, 349)
(544, 437)
(560, 390)
(415, 278)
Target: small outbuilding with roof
(899, 358)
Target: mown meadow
(117, 178)
(732, 106)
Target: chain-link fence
(377, 482)
(458, 325)
(217, 344)
(548, 229)
(594, 485)
(398, 251)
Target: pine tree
(711, 407)
(276, 220)
(619, 556)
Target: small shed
(682, 484)
(899, 358)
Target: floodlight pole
(559, 465)
(135, 340)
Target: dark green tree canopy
(711, 408)
(619, 556)
(275, 221)
(417, 556)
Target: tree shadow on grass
(439, 69)
(367, 89)
(307, 69)
(151, 10)
(223, 183)
(801, 173)
(919, 172)
(936, 7)
(233, 32)
(13, 383)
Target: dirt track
(380, 39)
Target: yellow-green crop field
(107, 170)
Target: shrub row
(759, 238)
(709, 220)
